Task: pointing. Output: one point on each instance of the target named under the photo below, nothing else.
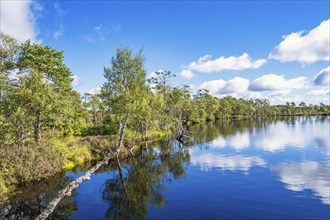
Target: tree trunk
(67, 190)
(37, 127)
(122, 132)
(94, 117)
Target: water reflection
(306, 175)
(270, 135)
(282, 134)
(292, 152)
(232, 163)
(259, 141)
(33, 199)
(238, 141)
(323, 145)
(143, 179)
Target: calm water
(247, 169)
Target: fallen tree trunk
(71, 186)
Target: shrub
(19, 165)
(100, 129)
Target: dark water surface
(245, 169)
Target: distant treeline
(38, 101)
(39, 105)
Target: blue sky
(275, 49)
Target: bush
(100, 129)
(19, 165)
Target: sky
(279, 50)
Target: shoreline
(96, 147)
(89, 149)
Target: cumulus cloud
(235, 85)
(308, 48)
(279, 93)
(18, 19)
(251, 95)
(323, 77)
(276, 82)
(187, 74)
(205, 64)
(318, 92)
(214, 86)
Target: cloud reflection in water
(232, 163)
(306, 175)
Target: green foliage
(22, 164)
(40, 113)
(125, 88)
(38, 100)
(100, 129)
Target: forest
(46, 126)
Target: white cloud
(308, 48)
(18, 19)
(214, 86)
(154, 74)
(279, 93)
(276, 88)
(192, 86)
(318, 92)
(271, 82)
(95, 91)
(323, 77)
(306, 175)
(75, 81)
(217, 87)
(251, 95)
(280, 100)
(276, 82)
(205, 64)
(187, 74)
(235, 85)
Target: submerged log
(71, 186)
(183, 136)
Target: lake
(232, 169)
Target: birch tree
(124, 88)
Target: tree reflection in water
(143, 179)
(33, 199)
